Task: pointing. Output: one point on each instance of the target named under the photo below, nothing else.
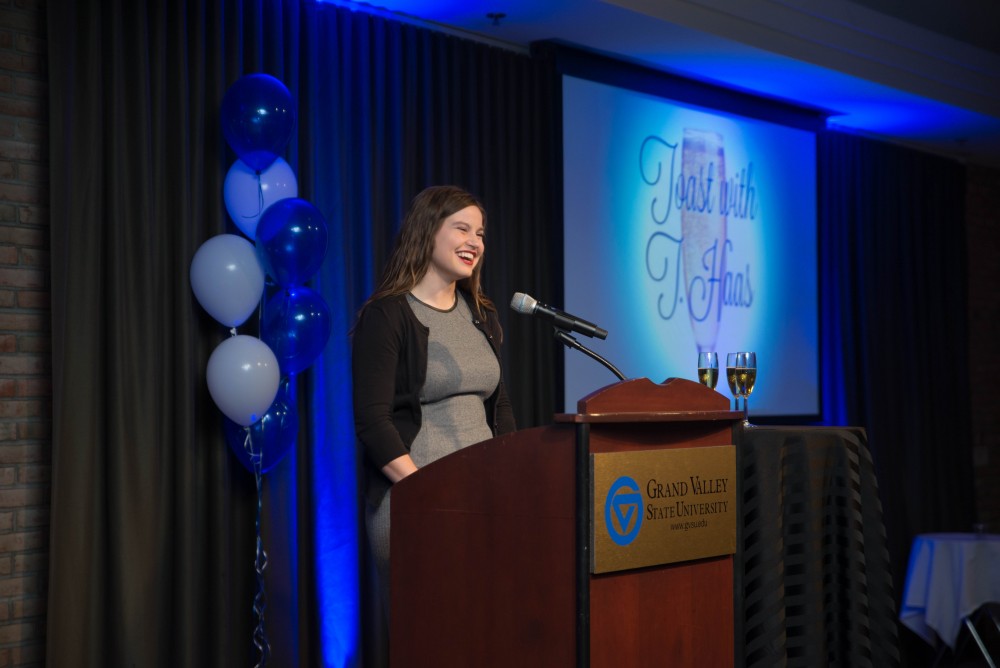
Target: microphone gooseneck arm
(568, 340)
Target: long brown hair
(411, 255)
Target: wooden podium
(493, 546)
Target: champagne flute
(747, 377)
(732, 360)
(708, 369)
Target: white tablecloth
(949, 576)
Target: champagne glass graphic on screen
(708, 369)
(703, 227)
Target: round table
(949, 576)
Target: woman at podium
(426, 355)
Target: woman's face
(458, 245)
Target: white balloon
(227, 278)
(248, 194)
(243, 378)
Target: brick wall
(25, 377)
(983, 230)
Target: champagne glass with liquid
(747, 377)
(732, 364)
(708, 369)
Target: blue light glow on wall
(334, 490)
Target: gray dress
(462, 372)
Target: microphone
(528, 305)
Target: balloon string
(260, 559)
(260, 196)
(260, 199)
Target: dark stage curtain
(892, 248)
(152, 519)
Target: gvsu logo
(622, 514)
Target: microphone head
(523, 303)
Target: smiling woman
(426, 355)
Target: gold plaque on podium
(657, 507)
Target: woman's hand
(399, 468)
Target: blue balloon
(258, 116)
(272, 436)
(248, 193)
(296, 325)
(291, 241)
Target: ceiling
(922, 73)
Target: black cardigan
(389, 367)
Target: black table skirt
(813, 580)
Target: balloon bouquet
(250, 378)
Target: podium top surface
(642, 400)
